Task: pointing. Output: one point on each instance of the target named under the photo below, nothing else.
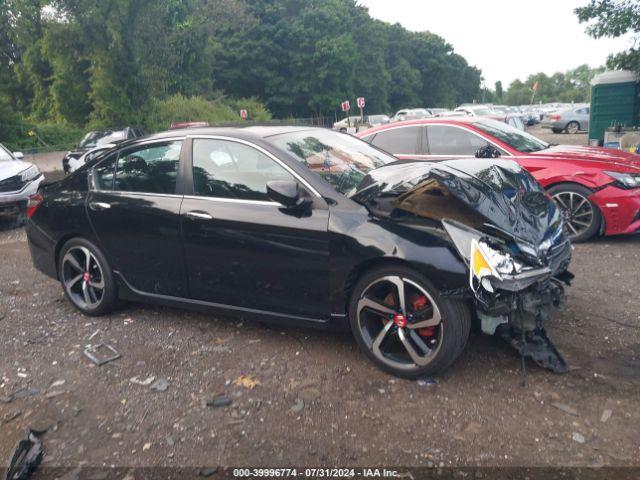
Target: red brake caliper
(420, 303)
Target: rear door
(243, 250)
(134, 207)
(403, 142)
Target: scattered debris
(565, 408)
(170, 441)
(22, 393)
(94, 334)
(578, 437)
(57, 383)
(207, 471)
(247, 381)
(427, 382)
(10, 416)
(606, 415)
(298, 405)
(146, 446)
(160, 385)
(145, 383)
(93, 354)
(220, 401)
(26, 457)
(55, 393)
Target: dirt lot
(318, 400)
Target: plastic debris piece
(578, 437)
(95, 354)
(565, 408)
(427, 382)
(207, 471)
(26, 457)
(160, 385)
(145, 383)
(219, 401)
(247, 381)
(298, 405)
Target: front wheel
(87, 278)
(403, 324)
(582, 217)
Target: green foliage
(149, 62)
(614, 18)
(178, 108)
(571, 86)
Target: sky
(506, 39)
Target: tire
(570, 198)
(572, 127)
(446, 338)
(343, 130)
(556, 130)
(93, 294)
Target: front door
(134, 209)
(243, 250)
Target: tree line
(111, 62)
(566, 87)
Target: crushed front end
(504, 226)
(514, 296)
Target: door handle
(99, 205)
(199, 216)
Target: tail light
(555, 117)
(33, 203)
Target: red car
(597, 188)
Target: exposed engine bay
(503, 225)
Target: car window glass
(103, 173)
(225, 169)
(398, 140)
(445, 140)
(149, 169)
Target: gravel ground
(559, 138)
(311, 397)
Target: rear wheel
(572, 127)
(556, 130)
(582, 217)
(87, 278)
(403, 324)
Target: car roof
(245, 132)
(424, 121)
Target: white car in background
(76, 163)
(18, 181)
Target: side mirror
(488, 151)
(285, 192)
(18, 155)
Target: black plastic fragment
(25, 458)
(537, 347)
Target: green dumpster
(615, 100)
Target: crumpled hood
(10, 168)
(498, 192)
(606, 157)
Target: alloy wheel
(573, 128)
(400, 322)
(82, 277)
(577, 211)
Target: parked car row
(18, 181)
(96, 139)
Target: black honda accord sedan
(307, 226)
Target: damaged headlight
(484, 261)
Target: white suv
(18, 180)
